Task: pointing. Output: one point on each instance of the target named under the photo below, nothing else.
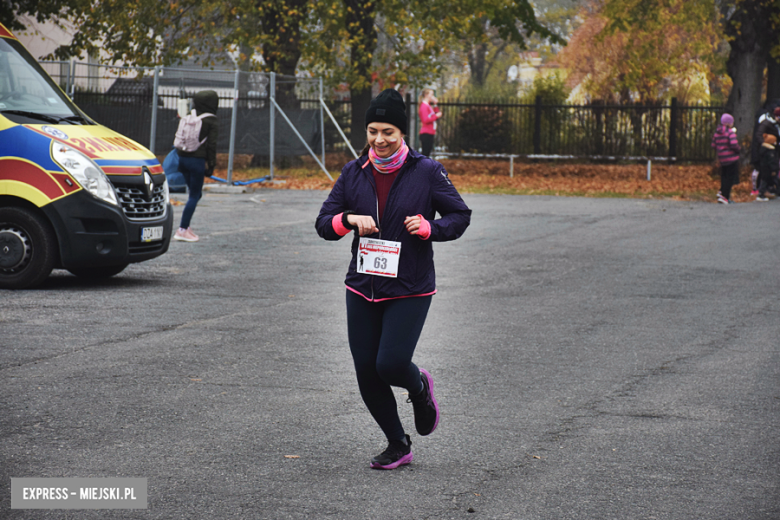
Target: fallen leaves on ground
(678, 182)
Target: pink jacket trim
(338, 226)
(425, 228)
(386, 299)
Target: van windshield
(28, 95)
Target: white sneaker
(186, 235)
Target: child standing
(725, 143)
(768, 166)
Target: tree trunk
(360, 101)
(747, 71)
(477, 59)
(360, 22)
(751, 37)
(283, 52)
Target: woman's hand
(413, 224)
(364, 223)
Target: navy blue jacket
(421, 187)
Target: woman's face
(384, 138)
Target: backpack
(188, 133)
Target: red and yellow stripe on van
(129, 169)
(27, 180)
(5, 33)
(97, 142)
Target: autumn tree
(642, 51)
(344, 36)
(42, 10)
(753, 31)
(267, 28)
(496, 28)
(336, 39)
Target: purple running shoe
(426, 409)
(396, 454)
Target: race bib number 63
(378, 257)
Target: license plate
(150, 234)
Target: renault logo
(148, 185)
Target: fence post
(69, 83)
(233, 118)
(272, 123)
(538, 126)
(322, 124)
(153, 132)
(414, 133)
(600, 109)
(673, 129)
(409, 119)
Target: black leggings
(729, 176)
(382, 339)
(426, 142)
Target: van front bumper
(94, 233)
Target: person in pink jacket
(429, 113)
(727, 147)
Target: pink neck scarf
(390, 164)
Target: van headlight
(166, 191)
(85, 171)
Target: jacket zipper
(376, 196)
(379, 225)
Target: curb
(223, 189)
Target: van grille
(135, 204)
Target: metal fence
(142, 103)
(673, 131)
(474, 127)
(259, 114)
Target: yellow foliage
(621, 50)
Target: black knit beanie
(388, 107)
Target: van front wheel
(28, 248)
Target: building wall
(41, 39)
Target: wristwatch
(345, 222)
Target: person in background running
(429, 113)
(725, 143)
(391, 195)
(194, 166)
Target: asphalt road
(593, 358)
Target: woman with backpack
(389, 197)
(195, 163)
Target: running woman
(389, 197)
